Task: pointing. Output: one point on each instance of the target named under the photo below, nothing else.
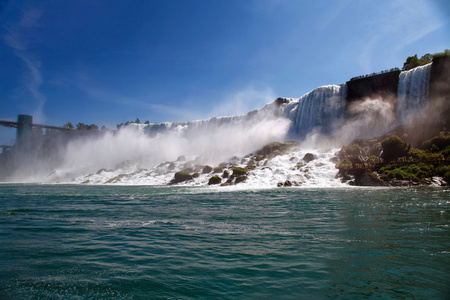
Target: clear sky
(108, 61)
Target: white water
(318, 109)
(413, 94)
(141, 154)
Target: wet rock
(237, 171)
(207, 169)
(260, 157)
(240, 179)
(309, 157)
(100, 171)
(218, 169)
(368, 179)
(214, 180)
(181, 176)
(283, 148)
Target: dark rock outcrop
(281, 148)
(309, 157)
(368, 179)
(214, 180)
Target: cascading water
(318, 109)
(150, 154)
(413, 94)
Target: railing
(13, 124)
(374, 74)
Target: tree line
(413, 61)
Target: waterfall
(413, 94)
(318, 109)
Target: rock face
(382, 85)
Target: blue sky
(108, 62)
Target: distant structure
(24, 127)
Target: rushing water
(136, 242)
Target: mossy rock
(181, 176)
(214, 180)
(238, 171)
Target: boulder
(309, 157)
(287, 183)
(238, 171)
(214, 180)
(240, 179)
(207, 169)
(283, 148)
(368, 179)
(181, 176)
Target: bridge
(24, 127)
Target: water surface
(134, 242)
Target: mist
(207, 142)
(321, 121)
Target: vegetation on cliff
(413, 61)
(399, 163)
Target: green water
(128, 242)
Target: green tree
(410, 63)
(394, 147)
(92, 127)
(82, 127)
(69, 125)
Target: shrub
(399, 174)
(447, 177)
(344, 164)
(446, 152)
(353, 150)
(437, 143)
(394, 147)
